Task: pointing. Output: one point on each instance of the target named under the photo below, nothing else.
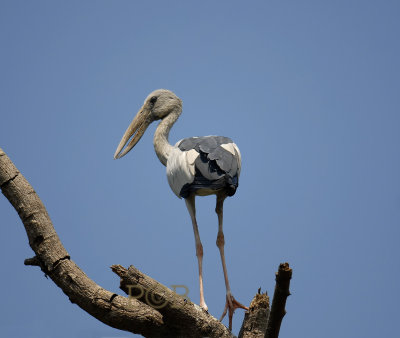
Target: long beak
(136, 129)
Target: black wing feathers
(216, 168)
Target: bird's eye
(153, 99)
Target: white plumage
(180, 168)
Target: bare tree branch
(281, 293)
(175, 309)
(114, 310)
(256, 319)
(152, 309)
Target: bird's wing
(218, 156)
(209, 162)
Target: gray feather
(216, 167)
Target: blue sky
(309, 90)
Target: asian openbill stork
(196, 166)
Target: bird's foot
(231, 305)
(203, 305)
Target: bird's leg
(190, 204)
(231, 303)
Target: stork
(196, 166)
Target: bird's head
(158, 105)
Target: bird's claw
(230, 306)
(204, 306)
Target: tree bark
(180, 312)
(283, 277)
(256, 319)
(151, 309)
(120, 312)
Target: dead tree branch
(151, 309)
(120, 312)
(256, 319)
(177, 310)
(281, 293)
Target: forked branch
(120, 312)
(152, 309)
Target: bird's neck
(161, 145)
